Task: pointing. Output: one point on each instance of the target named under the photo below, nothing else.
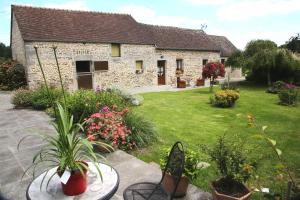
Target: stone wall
(17, 43)
(121, 70)
(192, 63)
(120, 73)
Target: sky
(239, 20)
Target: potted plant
(190, 172)
(68, 149)
(234, 167)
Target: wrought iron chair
(155, 191)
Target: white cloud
(70, 5)
(248, 9)
(209, 2)
(149, 16)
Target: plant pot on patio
(169, 186)
(224, 189)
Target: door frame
(164, 71)
(82, 73)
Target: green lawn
(187, 116)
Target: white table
(96, 189)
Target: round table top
(96, 189)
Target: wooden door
(161, 72)
(84, 75)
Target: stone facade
(121, 70)
(120, 73)
(17, 43)
(192, 63)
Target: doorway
(161, 72)
(84, 74)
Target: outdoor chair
(155, 191)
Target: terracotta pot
(76, 184)
(219, 196)
(169, 185)
(200, 82)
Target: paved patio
(16, 123)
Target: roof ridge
(174, 27)
(70, 10)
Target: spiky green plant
(68, 147)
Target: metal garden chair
(155, 191)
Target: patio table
(96, 189)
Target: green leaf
(279, 152)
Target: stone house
(104, 49)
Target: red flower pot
(76, 184)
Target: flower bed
(288, 95)
(107, 125)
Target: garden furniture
(156, 191)
(96, 189)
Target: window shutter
(139, 65)
(115, 50)
(101, 65)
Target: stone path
(17, 123)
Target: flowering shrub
(288, 95)
(225, 98)
(108, 125)
(212, 70)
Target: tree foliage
(5, 51)
(293, 44)
(266, 63)
(212, 70)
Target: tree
(5, 51)
(260, 56)
(212, 70)
(236, 60)
(293, 44)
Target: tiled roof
(225, 46)
(44, 24)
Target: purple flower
(105, 109)
(290, 86)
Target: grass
(187, 116)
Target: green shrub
(143, 131)
(232, 159)
(289, 95)
(83, 103)
(276, 87)
(22, 98)
(12, 75)
(224, 98)
(191, 169)
(41, 99)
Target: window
(223, 61)
(179, 64)
(101, 65)
(204, 61)
(139, 67)
(83, 66)
(115, 50)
